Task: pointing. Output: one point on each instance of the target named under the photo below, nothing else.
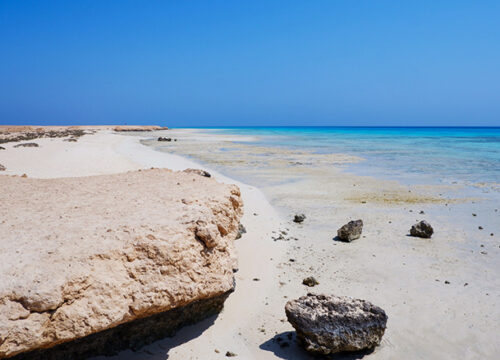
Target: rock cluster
(422, 229)
(350, 231)
(331, 324)
(23, 133)
(26, 145)
(118, 261)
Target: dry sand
(428, 319)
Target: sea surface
(412, 155)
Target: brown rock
(2, 168)
(331, 324)
(115, 257)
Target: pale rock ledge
(93, 264)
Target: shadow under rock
(159, 349)
(285, 346)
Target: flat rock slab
(331, 324)
(79, 256)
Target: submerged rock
(26, 145)
(350, 231)
(310, 281)
(299, 218)
(331, 324)
(198, 172)
(129, 267)
(422, 229)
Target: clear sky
(220, 63)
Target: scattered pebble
(230, 354)
(480, 227)
(447, 282)
(256, 279)
(310, 281)
(474, 214)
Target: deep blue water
(416, 155)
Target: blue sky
(220, 63)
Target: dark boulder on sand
(299, 218)
(2, 168)
(164, 139)
(422, 229)
(331, 324)
(2, 148)
(350, 231)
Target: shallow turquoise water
(413, 155)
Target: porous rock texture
(422, 229)
(330, 324)
(81, 257)
(350, 231)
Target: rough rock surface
(80, 256)
(330, 324)
(299, 218)
(350, 231)
(422, 229)
(198, 172)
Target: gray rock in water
(299, 218)
(350, 231)
(198, 172)
(26, 145)
(331, 324)
(422, 229)
(241, 231)
(2, 168)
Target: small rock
(350, 231)
(26, 145)
(299, 218)
(241, 231)
(2, 148)
(480, 227)
(447, 282)
(256, 279)
(474, 214)
(164, 139)
(422, 229)
(492, 234)
(331, 324)
(421, 212)
(71, 140)
(2, 168)
(231, 354)
(198, 172)
(310, 281)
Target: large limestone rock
(95, 263)
(330, 324)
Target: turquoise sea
(409, 154)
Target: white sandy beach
(405, 276)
